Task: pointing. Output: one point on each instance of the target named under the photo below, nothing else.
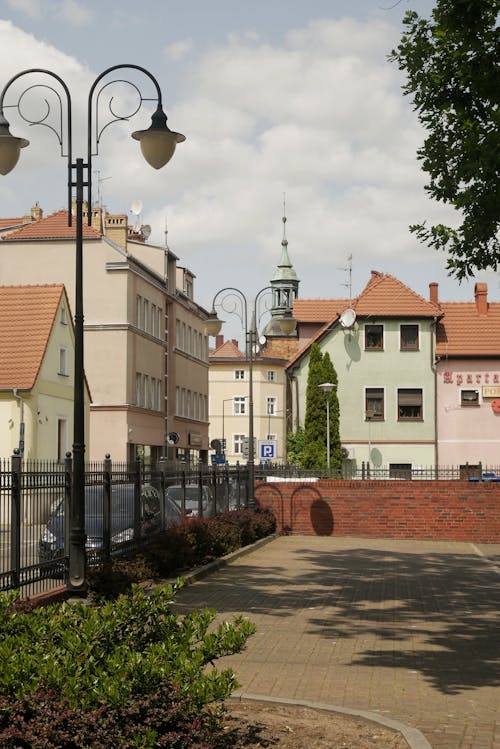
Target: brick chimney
(219, 340)
(433, 292)
(481, 295)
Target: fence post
(68, 490)
(137, 499)
(106, 508)
(200, 494)
(15, 524)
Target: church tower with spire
(285, 288)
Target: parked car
(51, 543)
(191, 495)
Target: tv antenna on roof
(348, 270)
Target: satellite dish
(262, 340)
(136, 207)
(146, 231)
(348, 318)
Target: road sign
(268, 449)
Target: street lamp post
(158, 144)
(238, 305)
(327, 388)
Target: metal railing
(125, 506)
(368, 472)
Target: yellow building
(36, 372)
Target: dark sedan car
(121, 521)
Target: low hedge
(193, 543)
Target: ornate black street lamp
(235, 302)
(158, 144)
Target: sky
(286, 106)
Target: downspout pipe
(21, 423)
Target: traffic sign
(268, 449)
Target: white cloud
(179, 50)
(75, 13)
(30, 8)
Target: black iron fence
(125, 506)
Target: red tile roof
(27, 315)
(318, 310)
(228, 350)
(386, 296)
(463, 331)
(6, 223)
(54, 226)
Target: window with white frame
(271, 375)
(145, 382)
(238, 441)
(153, 394)
(177, 400)
(63, 361)
(153, 319)
(138, 311)
(469, 397)
(158, 395)
(145, 317)
(239, 374)
(138, 389)
(239, 405)
(410, 404)
(271, 406)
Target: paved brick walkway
(409, 630)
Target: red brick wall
(438, 510)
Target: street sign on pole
(268, 449)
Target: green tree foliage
(453, 74)
(313, 455)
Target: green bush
(180, 548)
(103, 662)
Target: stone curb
(414, 737)
(200, 572)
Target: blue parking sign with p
(267, 449)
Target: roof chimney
(219, 340)
(481, 294)
(433, 292)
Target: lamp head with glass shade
(10, 147)
(327, 387)
(213, 324)
(158, 142)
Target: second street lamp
(238, 305)
(158, 144)
(327, 388)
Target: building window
(239, 405)
(374, 404)
(239, 374)
(145, 319)
(153, 394)
(374, 337)
(178, 333)
(138, 310)
(238, 442)
(177, 401)
(153, 319)
(400, 471)
(158, 395)
(271, 406)
(138, 389)
(63, 362)
(408, 337)
(271, 375)
(409, 404)
(469, 397)
(62, 439)
(64, 316)
(145, 402)
(159, 325)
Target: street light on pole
(237, 304)
(158, 144)
(327, 388)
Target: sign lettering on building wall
(474, 378)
